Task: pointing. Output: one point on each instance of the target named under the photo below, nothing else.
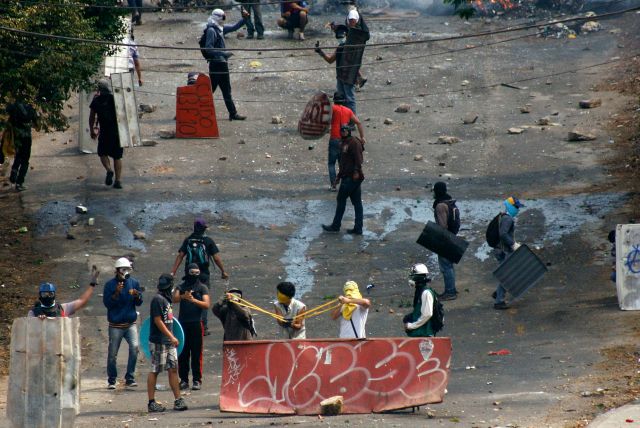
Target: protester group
(123, 295)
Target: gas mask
(47, 299)
(124, 274)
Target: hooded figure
(352, 313)
(508, 244)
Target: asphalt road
(265, 203)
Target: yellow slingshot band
(318, 310)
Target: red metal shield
(316, 118)
(195, 113)
(373, 375)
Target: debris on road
(417, 158)
(578, 135)
(515, 131)
(448, 139)
(509, 85)
(500, 352)
(590, 103)
(388, 121)
(277, 120)
(464, 83)
(80, 209)
(140, 235)
(149, 143)
(167, 133)
(470, 119)
(403, 108)
(525, 109)
(332, 406)
(544, 121)
(146, 108)
(590, 27)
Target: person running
(163, 346)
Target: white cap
(123, 262)
(419, 269)
(353, 14)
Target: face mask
(167, 293)
(285, 300)
(48, 300)
(511, 210)
(124, 274)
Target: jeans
(349, 92)
(115, 337)
(257, 18)
(192, 353)
(219, 74)
(448, 274)
(349, 188)
(136, 14)
(334, 156)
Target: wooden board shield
(195, 111)
(520, 271)
(315, 121)
(442, 242)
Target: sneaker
(500, 306)
(196, 385)
(184, 385)
(301, 36)
(13, 176)
(448, 296)
(330, 229)
(155, 407)
(108, 181)
(20, 187)
(237, 116)
(260, 37)
(111, 386)
(249, 36)
(117, 184)
(333, 188)
(180, 405)
(354, 232)
(296, 34)
(131, 383)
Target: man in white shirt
(352, 313)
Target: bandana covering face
(285, 300)
(511, 210)
(351, 291)
(216, 18)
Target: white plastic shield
(126, 109)
(85, 143)
(628, 266)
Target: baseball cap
(165, 281)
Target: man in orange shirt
(340, 115)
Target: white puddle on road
(553, 219)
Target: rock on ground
(332, 406)
(403, 108)
(579, 135)
(448, 139)
(590, 103)
(515, 131)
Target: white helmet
(419, 272)
(123, 262)
(419, 269)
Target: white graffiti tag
(234, 367)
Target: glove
(515, 246)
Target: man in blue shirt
(121, 296)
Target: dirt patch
(21, 269)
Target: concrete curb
(627, 415)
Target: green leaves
(44, 71)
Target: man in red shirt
(341, 115)
(350, 177)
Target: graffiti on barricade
(372, 375)
(632, 261)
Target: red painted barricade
(316, 117)
(373, 375)
(195, 112)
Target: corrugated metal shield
(126, 109)
(520, 271)
(442, 242)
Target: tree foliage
(44, 71)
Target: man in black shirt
(198, 248)
(21, 118)
(193, 296)
(103, 108)
(163, 345)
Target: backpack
(203, 43)
(437, 318)
(453, 218)
(197, 252)
(492, 235)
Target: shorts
(163, 357)
(293, 21)
(109, 147)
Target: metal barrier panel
(373, 375)
(126, 109)
(85, 143)
(628, 266)
(520, 271)
(195, 111)
(44, 376)
(442, 242)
